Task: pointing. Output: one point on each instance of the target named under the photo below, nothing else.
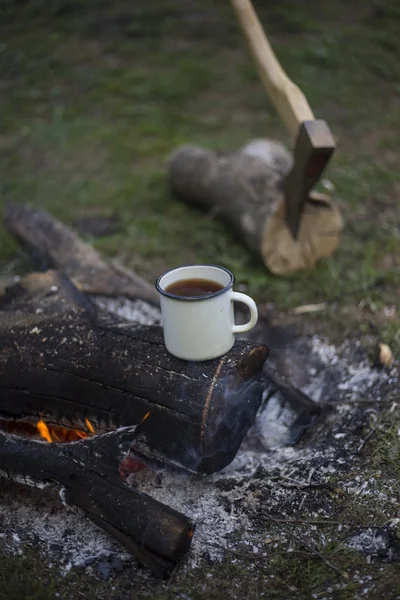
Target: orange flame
(55, 436)
(44, 430)
(89, 425)
(62, 434)
(146, 416)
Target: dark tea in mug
(194, 287)
(197, 311)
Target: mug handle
(249, 302)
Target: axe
(313, 141)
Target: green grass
(27, 577)
(383, 450)
(297, 574)
(96, 101)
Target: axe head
(313, 149)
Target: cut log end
(318, 237)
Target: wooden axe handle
(288, 99)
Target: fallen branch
(368, 436)
(60, 248)
(308, 522)
(294, 483)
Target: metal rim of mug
(191, 298)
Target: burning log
(59, 247)
(64, 361)
(77, 369)
(87, 471)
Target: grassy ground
(95, 95)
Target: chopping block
(262, 190)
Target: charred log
(59, 247)
(87, 471)
(63, 361)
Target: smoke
(232, 414)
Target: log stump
(246, 189)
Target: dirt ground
(94, 97)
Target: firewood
(60, 248)
(87, 472)
(63, 360)
(246, 189)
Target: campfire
(65, 361)
(91, 402)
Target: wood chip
(309, 308)
(386, 357)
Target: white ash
(26, 480)
(331, 377)
(225, 505)
(369, 541)
(200, 500)
(375, 543)
(358, 380)
(273, 423)
(131, 310)
(326, 352)
(64, 535)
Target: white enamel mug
(201, 327)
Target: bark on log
(246, 188)
(155, 534)
(60, 248)
(63, 360)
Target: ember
(50, 434)
(63, 434)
